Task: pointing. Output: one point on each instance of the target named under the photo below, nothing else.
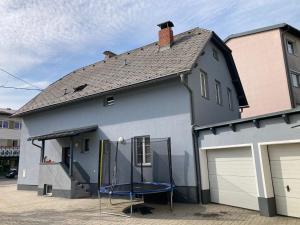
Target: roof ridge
(123, 53)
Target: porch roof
(64, 133)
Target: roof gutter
(183, 80)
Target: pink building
(268, 62)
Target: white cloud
(37, 33)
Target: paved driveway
(25, 207)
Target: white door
(232, 177)
(285, 169)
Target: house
(10, 132)
(159, 90)
(267, 60)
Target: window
(1, 122)
(17, 125)
(15, 143)
(11, 124)
(143, 151)
(218, 93)
(4, 124)
(291, 47)
(203, 84)
(295, 77)
(109, 100)
(215, 54)
(229, 94)
(86, 144)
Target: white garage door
(232, 177)
(285, 169)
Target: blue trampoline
(137, 188)
(123, 173)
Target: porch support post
(71, 157)
(42, 151)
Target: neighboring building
(10, 132)
(268, 62)
(253, 163)
(159, 90)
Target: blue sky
(42, 40)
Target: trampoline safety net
(140, 165)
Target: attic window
(80, 87)
(215, 54)
(109, 100)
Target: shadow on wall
(139, 104)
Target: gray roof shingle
(142, 64)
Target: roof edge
(248, 120)
(264, 29)
(129, 87)
(242, 99)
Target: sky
(43, 40)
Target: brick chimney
(165, 34)
(108, 54)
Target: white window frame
(229, 95)
(218, 90)
(144, 162)
(203, 84)
(295, 76)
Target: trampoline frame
(170, 187)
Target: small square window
(109, 100)
(216, 54)
(218, 92)
(295, 79)
(291, 47)
(203, 84)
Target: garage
(232, 177)
(285, 167)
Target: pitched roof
(7, 111)
(283, 26)
(132, 68)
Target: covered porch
(63, 176)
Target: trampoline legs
(131, 204)
(171, 201)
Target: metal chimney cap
(166, 24)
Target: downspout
(183, 78)
(40, 147)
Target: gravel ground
(25, 207)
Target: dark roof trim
(283, 26)
(243, 103)
(282, 114)
(64, 133)
(125, 88)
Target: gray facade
(160, 110)
(257, 132)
